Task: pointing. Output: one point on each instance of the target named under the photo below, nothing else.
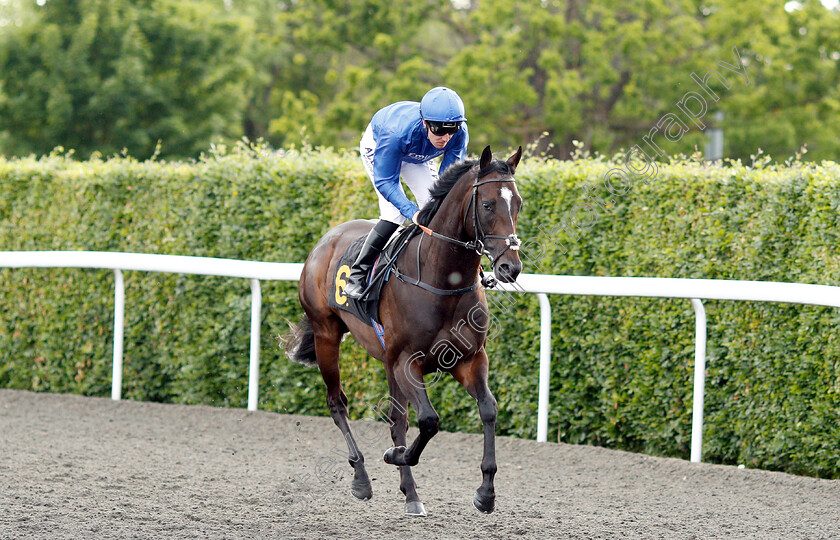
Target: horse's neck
(441, 259)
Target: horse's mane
(450, 177)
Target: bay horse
(472, 212)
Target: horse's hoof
(394, 456)
(484, 504)
(415, 509)
(362, 492)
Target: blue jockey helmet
(442, 104)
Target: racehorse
(435, 320)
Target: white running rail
(693, 289)
(176, 264)
(541, 285)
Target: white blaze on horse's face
(507, 195)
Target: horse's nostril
(507, 272)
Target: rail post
(545, 367)
(254, 371)
(699, 380)
(119, 324)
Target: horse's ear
(513, 161)
(486, 158)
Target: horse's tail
(300, 342)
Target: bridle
(512, 242)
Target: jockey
(403, 139)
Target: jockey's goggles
(443, 128)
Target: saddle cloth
(366, 309)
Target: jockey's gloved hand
(416, 220)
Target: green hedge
(622, 367)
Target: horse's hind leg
(327, 340)
(399, 427)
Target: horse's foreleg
(398, 417)
(326, 349)
(485, 496)
(473, 375)
(409, 377)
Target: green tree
(293, 52)
(107, 75)
(325, 66)
(793, 58)
(600, 71)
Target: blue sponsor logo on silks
(421, 157)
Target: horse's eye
(487, 205)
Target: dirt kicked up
(77, 467)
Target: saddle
(366, 308)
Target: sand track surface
(80, 467)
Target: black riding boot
(375, 241)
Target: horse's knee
(332, 405)
(488, 410)
(337, 406)
(429, 424)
